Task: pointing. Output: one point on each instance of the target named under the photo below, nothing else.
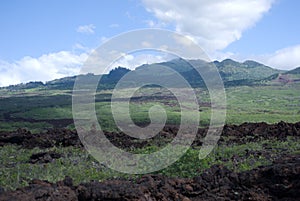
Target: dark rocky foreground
(279, 181)
(239, 134)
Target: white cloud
(220, 56)
(103, 39)
(132, 61)
(47, 67)
(285, 59)
(155, 24)
(150, 23)
(87, 29)
(213, 23)
(114, 26)
(146, 44)
(80, 47)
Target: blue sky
(44, 40)
(278, 29)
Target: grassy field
(16, 171)
(35, 110)
(269, 104)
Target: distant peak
(294, 71)
(118, 71)
(229, 62)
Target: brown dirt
(279, 181)
(53, 137)
(44, 157)
(238, 134)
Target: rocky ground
(278, 181)
(238, 134)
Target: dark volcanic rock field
(239, 134)
(279, 181)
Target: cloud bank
(131, 61)
(286, 59)
(46, 67)
(213, 23)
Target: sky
(49, 39)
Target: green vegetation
(32, 127)
(253, 92)
(249, 70)
(269, 104)
(16, 171)
(56, 112)
(264, 99)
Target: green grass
(15, 171)
(190, 165)
(55, 112)
(33, 127)
(269, 104)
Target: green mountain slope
(295, 71)
(233, 73)
(249, 70)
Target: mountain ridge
(232, 73)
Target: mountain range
(233, 73)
